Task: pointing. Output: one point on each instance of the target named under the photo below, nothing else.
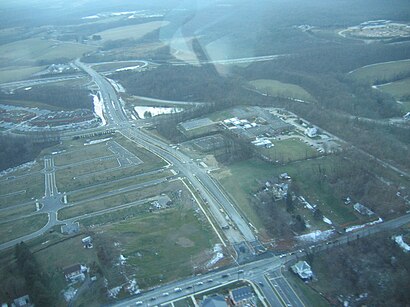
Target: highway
(198, 177)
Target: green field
(280, 89)
(106, 202)
(381, 72)
(10, 74)
(115, 184)
(400, 90)
(14, 229)
(149, 241)
(77, 154)
(15, 212)
(131, 32)
(289, 150)
(305, 292)
(242, 179)
(27, 52)
(33, 185)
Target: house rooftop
(214, 301)
(242, 293)
(72, 269)
(302, 268)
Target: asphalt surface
(198, 177)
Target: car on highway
(165, 294)
(225, 275)
(177, 289)
(199, 283)
(139, 303)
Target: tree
(290, 207)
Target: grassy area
(149, 241)
(381, 71)
(276, 88)
(242, 179)
(10, 74)
(110, 201)
(15, 212)
(117, 215)
(400, 90)
(34, 49)
(14, 229)
(305, 292)
(289, 150)
(77, 155)
(33, 185)
(87, 169)
(131, 32)
(113, 185)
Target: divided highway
(198, 177)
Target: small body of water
(156, 110)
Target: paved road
(194, 173)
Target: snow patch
(97, 141)
(132, 287)
(123, 260)
(128, 68)
(99, 108)
(117, 86)
(399, 240)
(353, 228)
(327, 221)
(316, 236)
(218, 255)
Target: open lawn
(24, 189)
(78, 153)
(110, 201)
(242, 179)
(87, 169)
(14, 229)
(10, 74)
(289, 150)
(305, 292)
(149, 241)
(400, 90)
(280, 89)
(383, 72)
(15, 212)
(115, 184)
(131, 32)
(27, 52)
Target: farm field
(289, 150)
(280, 89)
(131, 32)
(381, 72)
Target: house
(87, 242)
(284, 176)
(302, 268)
(214, 301)
(23, 301)
(162, 202)
(75, 272)
(362, 209)
(311, 132)
(241, 296)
